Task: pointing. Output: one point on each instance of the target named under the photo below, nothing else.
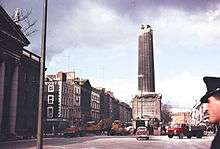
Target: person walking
(212, 97)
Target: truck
(118, 128)
(140, 123)
(99, 126)
(187, 130)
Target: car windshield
(175, 126)
(142, 129)
(73, 126)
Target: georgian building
(199, 114)
(125, 112)
(19, 81)
(104, 104)
(113, 105)
(52, 106)
(77, 103)
(181, 118)
(110, 104)
(61, 101)
(115, 109)
(95, 105)
(85, 97)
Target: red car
(72, 131)
(182, 130)
(142, 132)
(176, 130)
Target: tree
(23, 18)
(166, 114)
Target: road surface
(112, 142)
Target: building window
(49, 112)
(50, 99)
(50, 88)
(64, 101)
(77, 99)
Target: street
(112, 142)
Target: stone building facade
(85, 104)
(181, 118)
(77, 102)
(147, 106)
(61, 102)
(19, 81)
(125, 112)
(95, 105)
(115, 109)
(200, 114)
(147, 103)
(104, 104)
(146, 81)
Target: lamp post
(42, 74)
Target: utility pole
(42, 74)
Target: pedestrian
(212, 97)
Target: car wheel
(170, 136)
(189, 137)
(181, 136)
(199, 136)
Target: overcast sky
(98, 40)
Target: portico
(19, 68)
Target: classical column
(2, 82)
(14, 98)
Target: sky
(98, 40)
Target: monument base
(147, 107)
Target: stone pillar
(2, 83)
(14, 98)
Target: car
(182, 130)
(130, 130)
(175, 130)
(74, 131)
(142, 133)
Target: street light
(42, 74)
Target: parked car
(195, 131)
(142, 132)
(74, 131)
(182, 130)
(130, 130)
